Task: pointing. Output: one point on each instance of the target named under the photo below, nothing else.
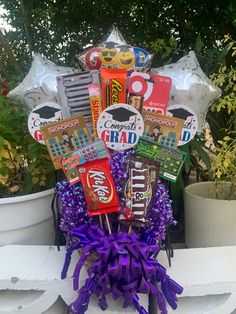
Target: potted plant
(26, 181)
(210, 207)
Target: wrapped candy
(143, 175)
(99, 187)
(95, 104)
(190, 86)
(113, 86)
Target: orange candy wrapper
(113, 86)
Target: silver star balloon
(190, 86)
(40, 83)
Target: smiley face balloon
(114, 52)
(108, 53)
(126, 57)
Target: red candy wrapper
(99, 187)
(113, 86)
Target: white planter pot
(208, 221)
(27, 219)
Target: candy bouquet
(114, 129)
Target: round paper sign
(42, 114)
(120, 126)
(190, 122)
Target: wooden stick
(100, 220)
(108, 224)
(130, 229)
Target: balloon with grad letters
(190, 86)
(114, 52)
(40, 83)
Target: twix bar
(113, 86)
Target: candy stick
(107, 96)
(100, 220)
(108, 224)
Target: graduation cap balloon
(46, 112)
(120, 126)
(40, 84)
(190, 86)
(121, 114)
(180, 112)
(43, 114)
(114, 52)
(190, 122)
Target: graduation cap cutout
(47, 112)
(180, 113)
(110, 44)
(124, 48)
(121, 114)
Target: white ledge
(30, 281)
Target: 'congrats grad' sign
(120, 126)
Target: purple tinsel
(123, 267)
(73, 207)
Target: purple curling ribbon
(73, 207)
(124, 267)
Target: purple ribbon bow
(124, 267)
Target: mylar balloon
(114, 52)
(40, 83)
(190, 86)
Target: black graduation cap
(110, 44)
(121, 114)
(124, 48)
(180, 113)
(47, 112)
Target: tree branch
(26, 26)
(10, 54)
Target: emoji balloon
(114, 52)
(40, 83)
(190, 86)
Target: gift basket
(115, 128)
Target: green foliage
(25, 166)
(60, 29)
(223, 166)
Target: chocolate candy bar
(171, 159)
(142, 179)
(96, 106)
(99, 187)
(74, 94)
(113, 86)
(70, 162)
